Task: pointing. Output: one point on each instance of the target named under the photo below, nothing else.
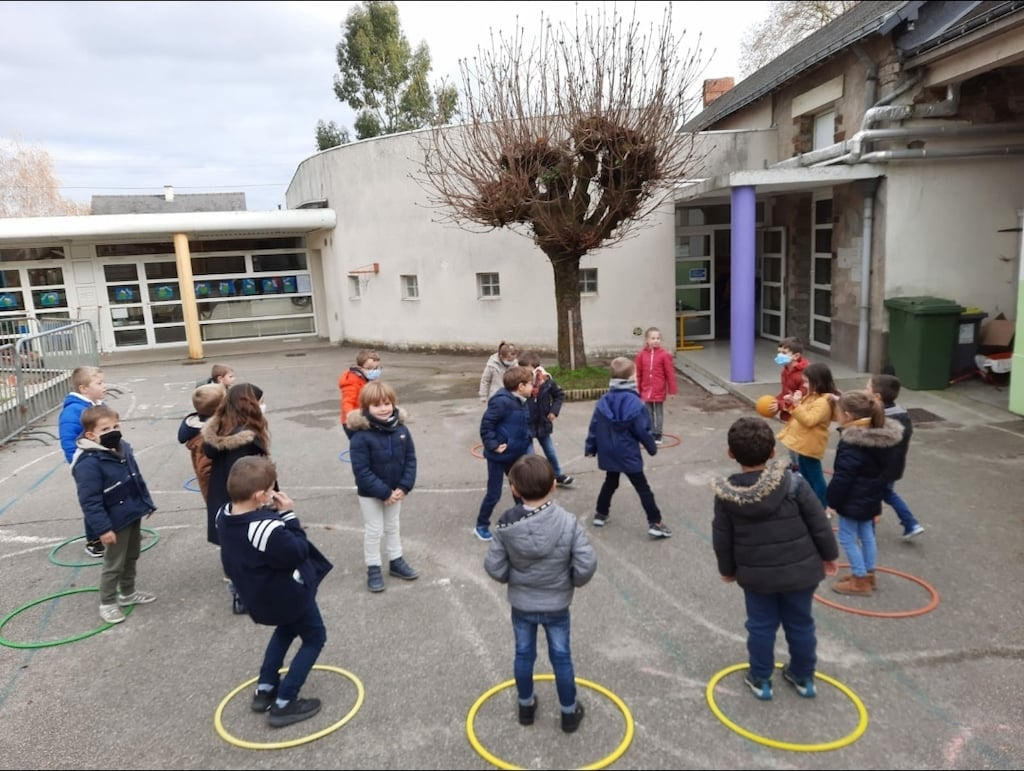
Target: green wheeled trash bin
(922, 334)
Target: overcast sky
(224, 96)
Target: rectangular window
(824, 129)
(353, 287)
(588, 281)
(410, 288)
(487, 285)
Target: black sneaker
(263, 700)
(526, 713)
(374, 579)
(658, 530)
(399, 568)
(600, 520)
(294, 711)
(571, 720)
(805, 686)
(762, 688)
(565, 480)
(95, 548)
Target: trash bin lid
(925, 306)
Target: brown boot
(860, 585)
(871, 580)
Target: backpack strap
(794, 483)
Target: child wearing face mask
(500, 362)
(114, 499)
(352, 381)
(790, 357)
(384, 464)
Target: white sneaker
(135, 598)
(112, 614)
(915, 531)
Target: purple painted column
(741, 320)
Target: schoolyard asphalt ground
(928, 673)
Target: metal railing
(35, 372)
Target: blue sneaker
(804, 687)
(483, 533)
(762, 688)
(912, 532)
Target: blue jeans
(810, 469)
(309, 627)
(547, 444)
(643, 489)
(496, 473)
(556, 629)
(862, 555)
(907, 519)
(765, 612)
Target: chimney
(715, 87)
(168, 193)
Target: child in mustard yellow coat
(806, 432)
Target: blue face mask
(373, 374)
(782, 359)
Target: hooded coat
(619, 425)
(493, 378)
(863, 457)
(547, 399)
(542, 554)
(111, 490)
(505, 421)
(770, 531)
(223, 451)
(655, 374)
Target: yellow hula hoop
(231, 739)
(602, 763)
(844, 741)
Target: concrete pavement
(940, 685)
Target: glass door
(695, 279)
(125, 303)
(772, 272)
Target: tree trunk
(571, 351)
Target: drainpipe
(868, 187)
(922, 153)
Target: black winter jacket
(383, 457)
(223, 451)
(271, 563)
(859, 477)
(548, 401)
(770, 531)
(894, 471)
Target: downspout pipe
(868, 187)
(922, 153)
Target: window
(410, 287)
(588, 281)
(824, 129)
(487, 285)
(353, 287)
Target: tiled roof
(864, 19)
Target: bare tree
(572, 142)
(788, 22)
(29, 185)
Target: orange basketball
(764, 406)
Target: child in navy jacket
(276, 572)
(619, 426)
(384, 464)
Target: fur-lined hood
(234, 441)
(769, 485)
(889, 435)
(357, 421)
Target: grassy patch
(587, 377)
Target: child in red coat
(655, 378)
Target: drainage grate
(918, 415)
(288, 355)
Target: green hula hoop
(50, 643)
(54, 559)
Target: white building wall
(942, 234)
(384, 217)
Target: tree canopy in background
(383, 80)
(788, 22)
(28, 184)
(571, 140)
